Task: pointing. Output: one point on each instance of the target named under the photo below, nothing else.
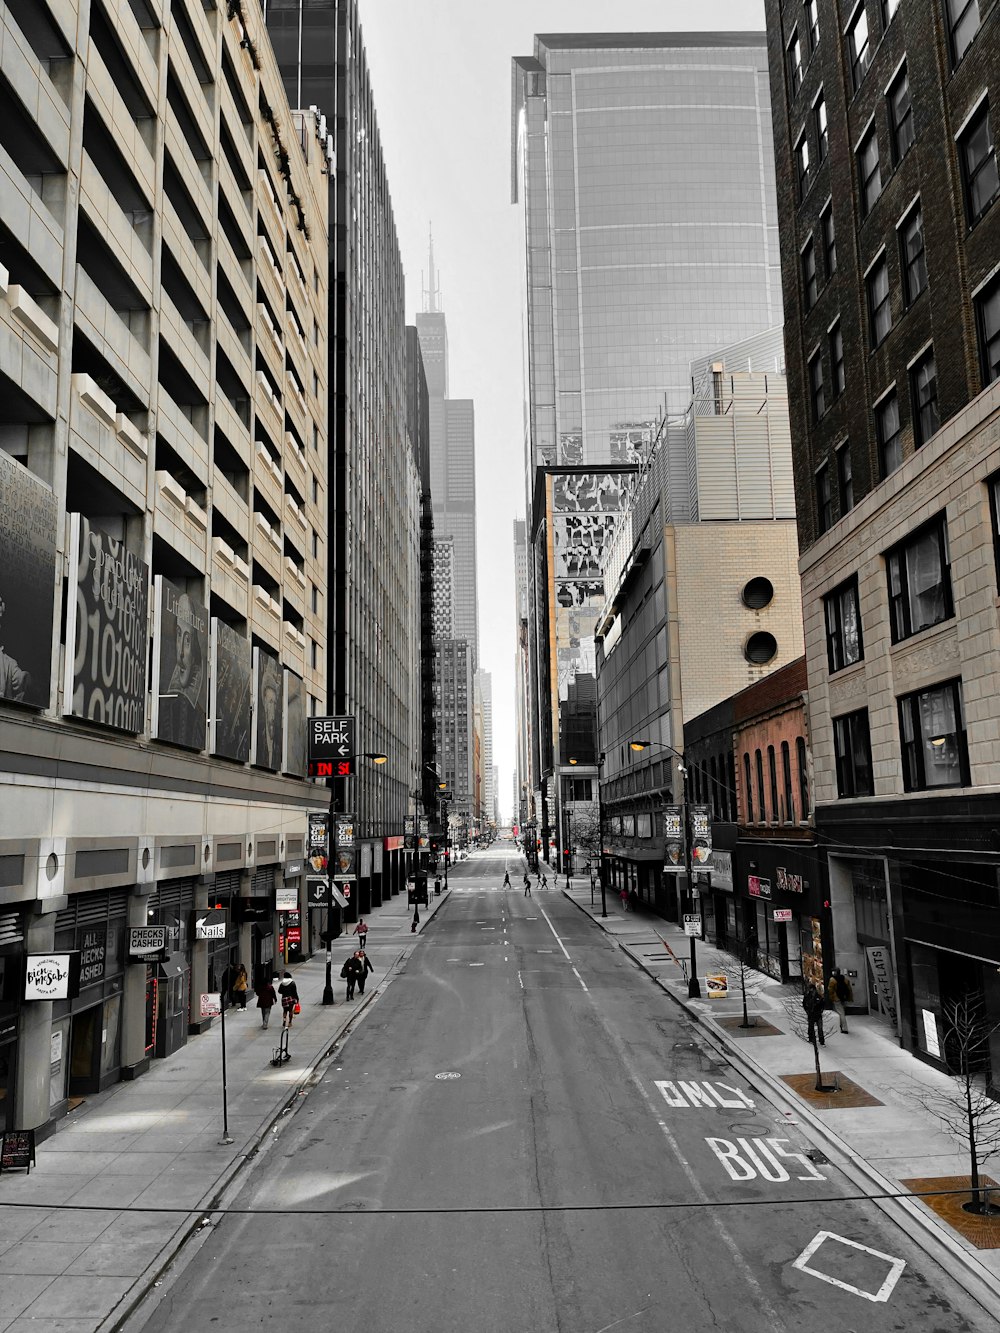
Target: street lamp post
(331, 837)
(694, 986)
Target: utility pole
(331, 838)
(694, 986)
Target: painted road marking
(896, 1267)
(760, 1158)
(477, 964)
(545, 951)
(702, 1094)
(579, 978)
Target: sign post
(332, 747)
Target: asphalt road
(537, 1109)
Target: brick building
(890, 238)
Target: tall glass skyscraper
(644, 166)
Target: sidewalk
(880, 1140)
(156, 1143)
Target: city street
(523, 1133)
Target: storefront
(11, 964)
(779, 909)
(86, 1031)
(168, 984)
(223, 953)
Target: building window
(749, 787)
(837, 359)
(845, 478)
(994, 489)
(812, 23)
(858, 50)
(761, 806)
(879, 306)
(963, 24)
(786, 777)
(890, 445)
(853, 750)
(772, 777)
(842, 612)
(923, 391)
(829, 240)
(802, 163)
(803, 767)
(932, 737)
(824, 500)
(794, 54)
(869, 171)
(817, 393)
(979, 164)
(822, 128)
(988, 326)
(810, 287)
(912, 259)
(919, 580)
(901, 116)
(889, 8)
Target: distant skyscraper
(644, 167)
(453, 463)
(484, 688)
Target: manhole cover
(449, 1074)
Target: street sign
(446, 795)
(692, 924)
(782, 914)
(17, 1150)
(211, 1004)
(331, 747)
(147, 943)
(286, 899)
(210, 924)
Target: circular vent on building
(757, 593)
(760, 647)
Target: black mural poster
(294, 761)
(180, 666)
(267, 693)
(27, 584)
(231, 696)
(107, 630)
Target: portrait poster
(107, 630)
(180, 665)
(231, 692)
(27, 584)
(267, 720)
(294, 756)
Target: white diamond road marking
(896, 1267)
(448, 1074)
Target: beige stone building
(163, 513)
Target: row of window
(923, 389)
(961, 19)
(790, 804)
(918, 586)
(933, 744)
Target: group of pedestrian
(816, 999)
(287, 993)
(355, 972)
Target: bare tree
(586, 834)
(745, 976)
(966, 1108)
(800, 1025)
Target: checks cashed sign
(147, 942)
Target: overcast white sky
(441, 73)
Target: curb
(903, 1208)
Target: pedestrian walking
(527, 887)
(813, 1003)
(544, 882)
(240, 987)
(623, 896)
(506, 879)
(840, 995)
(266, 1000)
(361, 929)
(289, 1000)
(349, 972)
(365, 966)
(437, 883)
(416, 920)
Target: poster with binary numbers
(231, 681)
(27, 584)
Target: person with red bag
(290, 1005)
